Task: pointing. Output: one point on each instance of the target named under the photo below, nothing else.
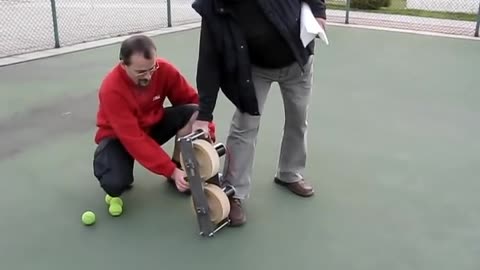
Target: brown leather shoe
(237, 213)
(301, 188)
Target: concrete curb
(105, 42)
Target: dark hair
(136, 44)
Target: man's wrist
(171, 168)
(204, 116)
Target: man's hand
(322, 22)
(203, 125)
(179, 177)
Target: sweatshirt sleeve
(208, 78)
(318, 8)
(180, 91)
(125, 125)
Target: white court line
(397, 30)
(104, 42)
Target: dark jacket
(223, 61)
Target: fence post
(55, 23)
(478, 21)
(347, 12)
(169, 13)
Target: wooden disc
(218, 203)
(207, 157)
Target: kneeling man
(132, 121)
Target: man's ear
(122, 61)
(122, 64)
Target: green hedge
(370, 4)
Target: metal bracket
(206, 226)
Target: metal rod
(169, 13)
(221, 150)
(55, 23)
(478, 21)
(225, 223)
(347, 12)
(192, 136)
(229, 190)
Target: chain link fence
(86, 20)
(25, 26)
(458, 17)
(182, 12)
(33, 25)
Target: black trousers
(113, 165)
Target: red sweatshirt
(128, 113)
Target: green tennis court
(393, 152)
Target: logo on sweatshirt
(156, 98)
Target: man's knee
(115, 187)
(190, 115)
(244, 122)
(192, 111)
(115, 181)
(113, 167)
(192, 106)
(189, 109)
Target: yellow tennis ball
(116, 200)
(88, 218)
(115, 209)
(108, 198)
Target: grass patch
(399, 7)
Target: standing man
(132, 121)
(245, 46)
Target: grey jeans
(295, 87)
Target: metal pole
(347, 13)
(55, 23)
(478, 21)
(169, 13)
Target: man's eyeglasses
(141, 73)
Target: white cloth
(309, 27)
